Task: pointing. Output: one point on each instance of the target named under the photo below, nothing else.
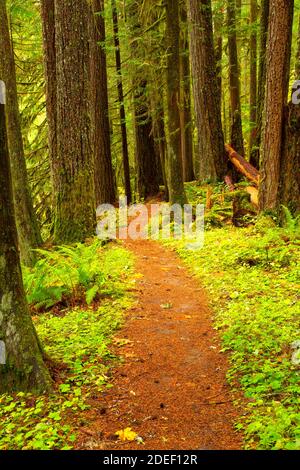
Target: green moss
(78, 345)
(253, 279)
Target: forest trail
(171, 388)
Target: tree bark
(264, 25)
(185, 104)
(121, 103)
(253, 72)
(21, 362)
(73, 165)
(104, 174)
(218, 36)
(277, 80)
(158, 118)
(237, 140)
(297, 62)
(289, 184)
(213, 162)
(175, 174)
(147, 167)
(145, 150)
(48, 24)
(29, 236)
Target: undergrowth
(76, 341)
(253, 277)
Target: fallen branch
(244, 167)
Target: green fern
(64, 272)
(291, 223)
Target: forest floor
(171, 387)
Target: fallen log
(244, 167)
(253, 195)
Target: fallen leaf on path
(126, 434)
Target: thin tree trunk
(121, 103)
(74, 165)
(297, 61)
(218, 36)
(21, 361)
(277, 79)
(104, 174)
(253, 72)
(175, 174)
(48, 24)
(185, 106)
(29, 236)
(145, 150)
(237, 140)
(147, 169)
(213, 162)
(158, 118)
(264, 25)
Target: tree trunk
(237, 140)
(297, 62)
(213, 162)
(175, 174)
(264, 25)
(253, 72)
(158, 118)
(74, 164)
(185, 105)
(218, 36)
(277, 80)
(147, 168)
(289, 185)
(48, 23)
(21, 362)
(29, 236)
(121, 103)
(104, 174)
(145, 150)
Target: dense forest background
(139, 89)
(164, 101)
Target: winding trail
(171, 388)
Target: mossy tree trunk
(104, 174)
(264, 25)
(236, 138)
(159, 131)
(174, 160)
(21, 361)
(147, 167)
(73, 165)
(146, 157)
(185, 102)
(277, 81)
(297, 61)
(218, 41)
(212, 165)
(48, 24)
(126, 166)
(289, 183)
(29, 236)
(253, 72)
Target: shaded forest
(165, 103)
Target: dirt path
(171, 388)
